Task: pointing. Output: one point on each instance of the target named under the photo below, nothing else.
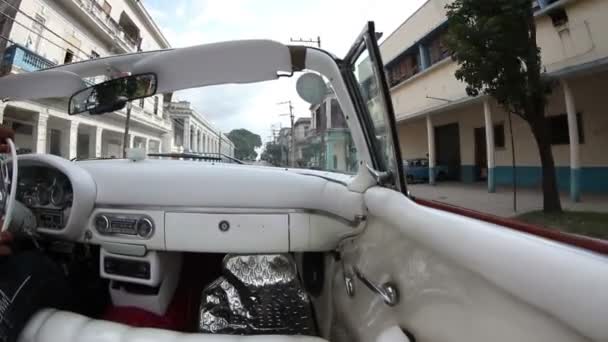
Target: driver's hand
(4, 134)
(5, 239)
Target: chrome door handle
(387, 291)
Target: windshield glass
(265, 124)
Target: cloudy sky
(254, 106)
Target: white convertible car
(250, 253)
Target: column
(575, 164)
(186, 143)
(192, 140)
(198, 141)
(423, 57)
(430, 131)
(166, 145)
(73, 140)
(487, 114)
(131, 141)
(95, 142)
(40, 131)
(147, 142)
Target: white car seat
(50, 325)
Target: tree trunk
(551, 200)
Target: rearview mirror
(112, 95)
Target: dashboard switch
(102, 224)
(145, 227)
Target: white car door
(423, 274)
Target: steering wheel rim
(9, 198)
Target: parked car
(418, 170)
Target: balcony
(108, 25)
(18, 58)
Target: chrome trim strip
(220, 210)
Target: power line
(27, 28)
(7, 39)
(44, 26)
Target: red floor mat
(197, 271)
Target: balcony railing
(110, 25)
(18, 58)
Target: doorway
(481, 155)
(447, 149)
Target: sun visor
(40, 85)
(244, 61)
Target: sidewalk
(476, 197)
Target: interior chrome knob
(102, 224)
(145, 227)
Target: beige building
(38, 34)
(193, 133)
(471, 136)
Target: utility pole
(125, 139)
(310, 41)
(292, 149)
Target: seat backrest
(50, 325)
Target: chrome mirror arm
(387, 291)
(379, 176)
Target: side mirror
(112, 95)
(312, 88)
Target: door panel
(460, 279)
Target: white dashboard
(171, 205)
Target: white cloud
(254, 106)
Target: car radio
(133, 225)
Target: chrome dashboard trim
(355, 222)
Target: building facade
(329, 143)
(193, 133)
(471, 136)
(38, 34)
(301, 130)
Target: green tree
(494, 44)
(245, 143)
(272, 154)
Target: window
(403, 68)
(38, 29)
(155, 105)
(106, 8)
(558, 129)
(69, 56)
(337, 117)
(559, 17)
(499, 135)
(321, 120)
(373, 98)
(438, 50)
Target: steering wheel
(8, 185)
